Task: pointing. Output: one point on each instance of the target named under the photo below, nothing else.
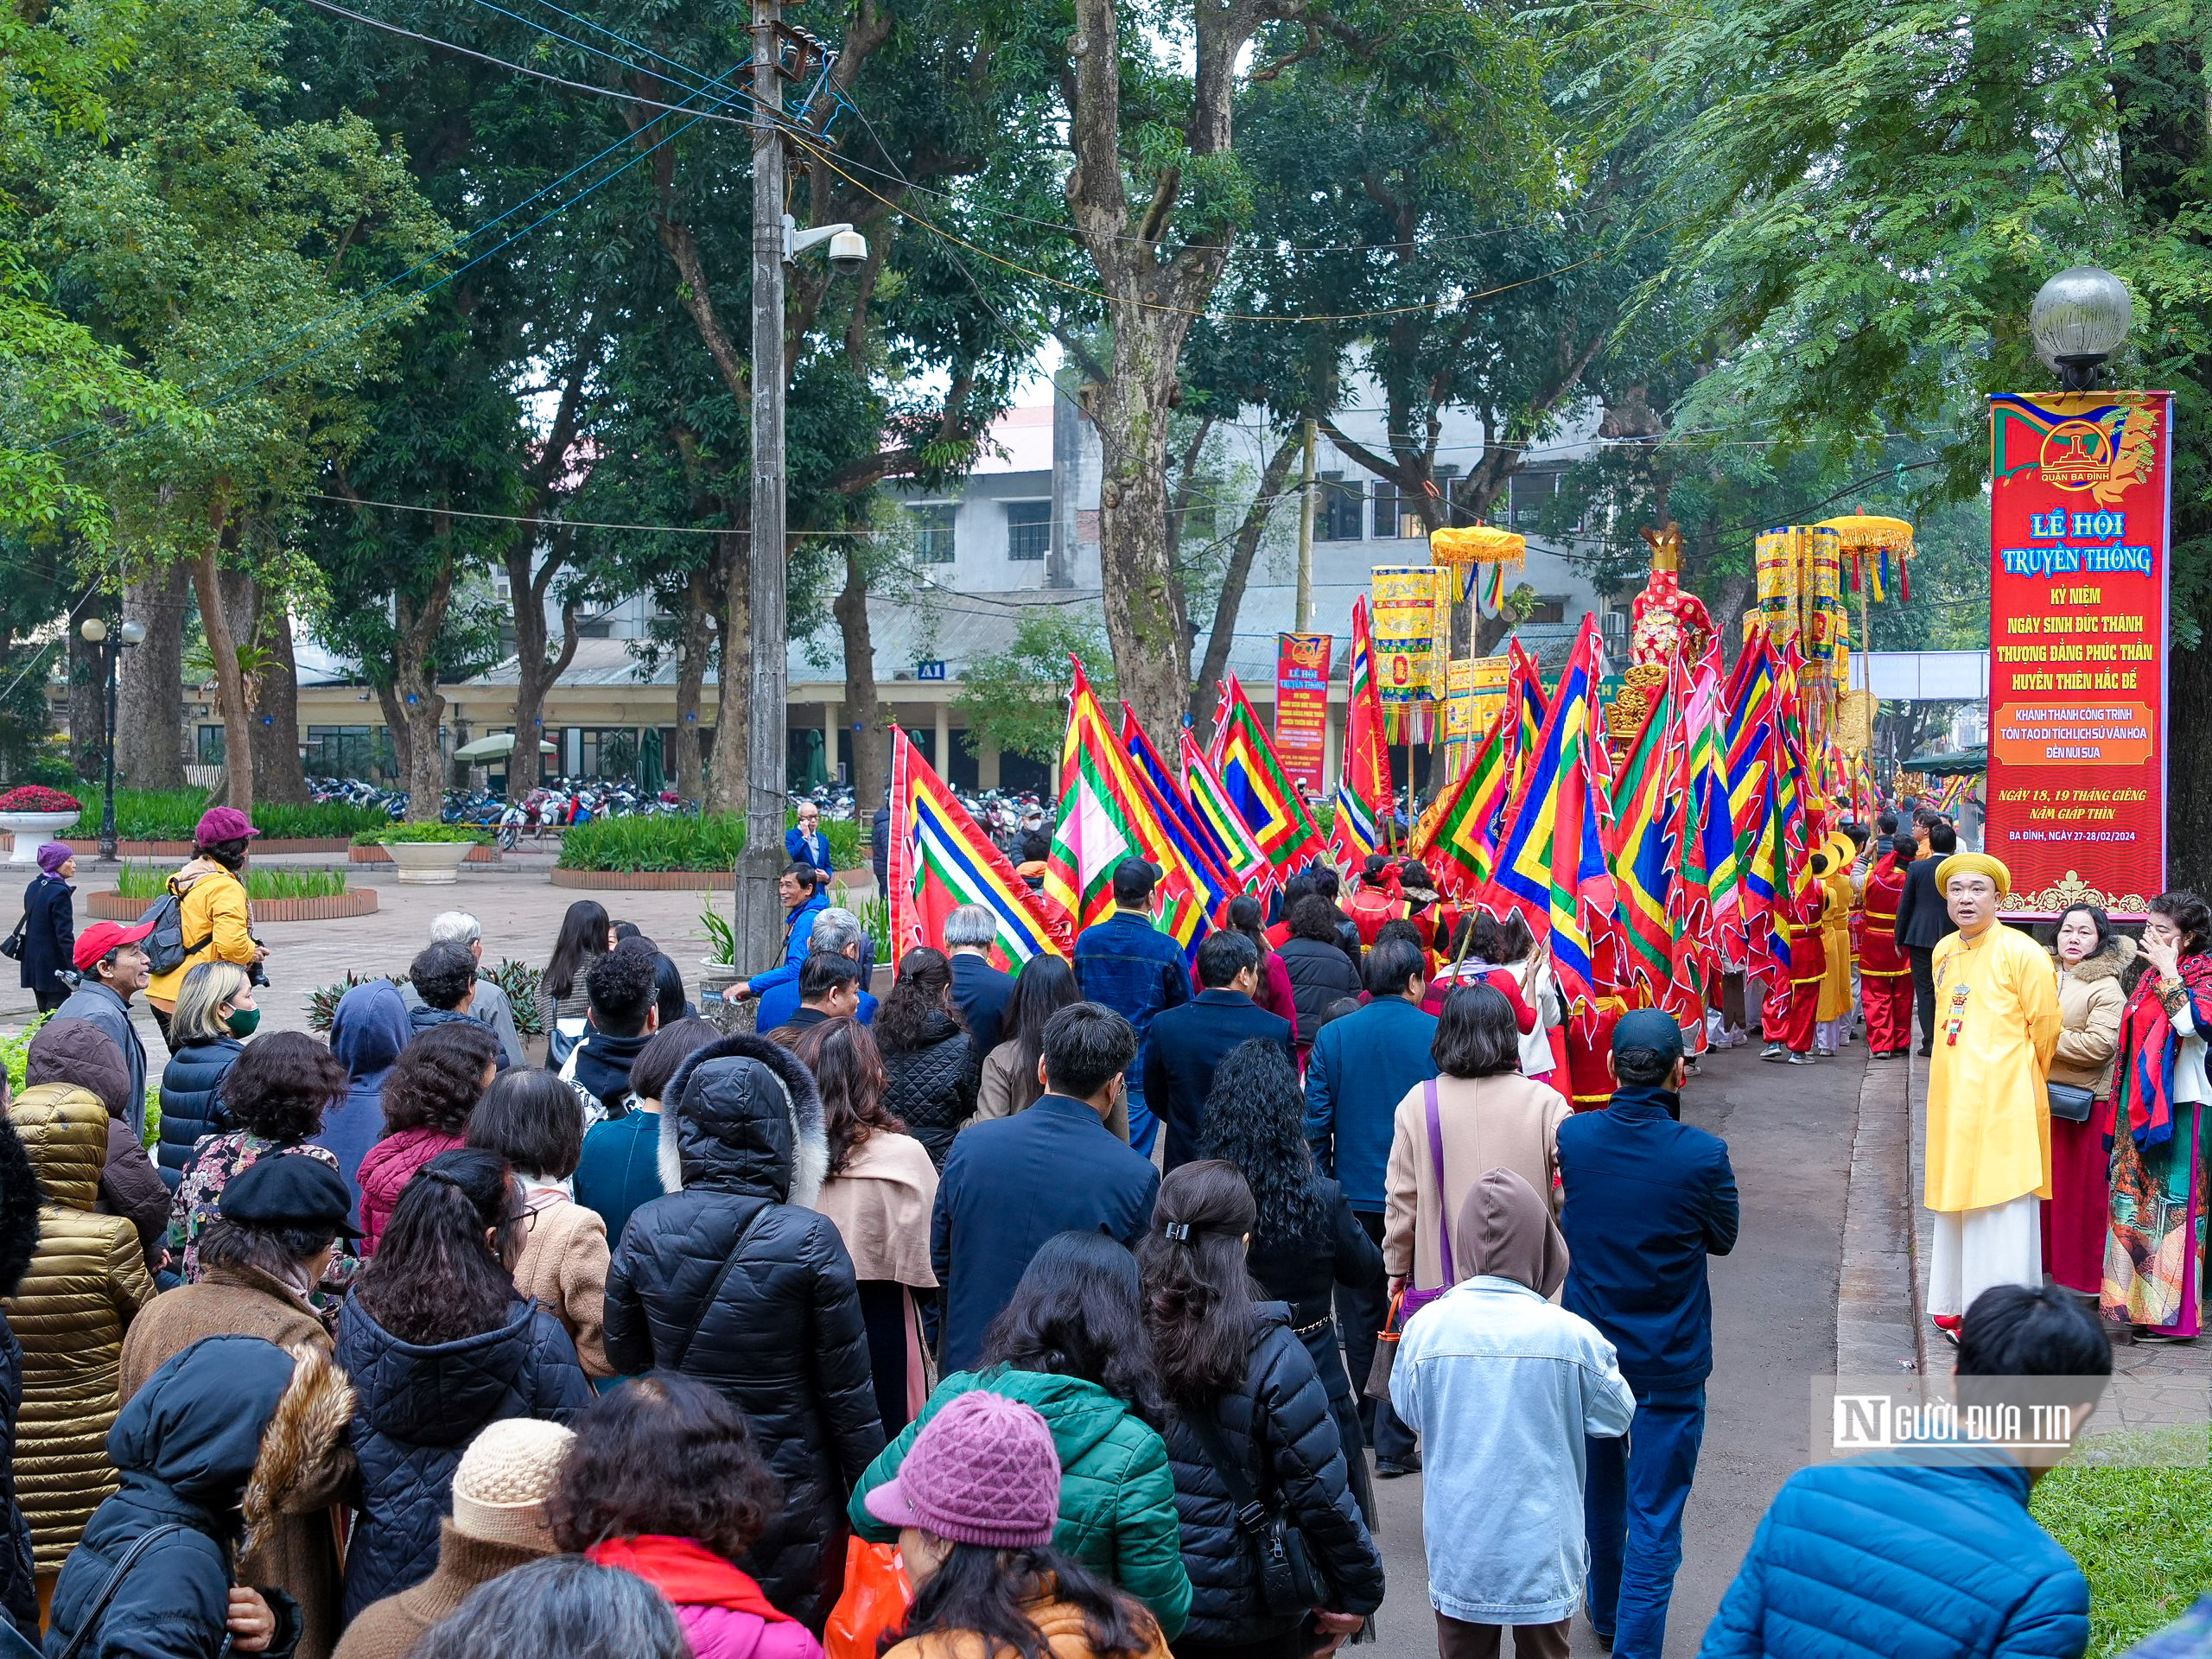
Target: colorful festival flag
(1713, 924)
(1182, 844)
(1104, 818)
(1651, 816)
(1365, 794)
(1457, 837)
(1217, 815)
(1552, 864)
(1253, 779)
(941, 859)
(1526, 707)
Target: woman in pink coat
(615, 1503)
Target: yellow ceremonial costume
(1835, 932)
(1997, 1026)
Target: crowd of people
(1080, 1306)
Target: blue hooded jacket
(367, 1034)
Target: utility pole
(759, 916)
(1305, 537)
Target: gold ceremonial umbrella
(1869, 533)
(1476, 544)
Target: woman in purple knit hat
(975, 1502)
(49, 927)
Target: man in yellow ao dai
(1997, 1025)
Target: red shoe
(1948, 1325)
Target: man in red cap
(112, 969)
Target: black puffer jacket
(1297, 1460)
(18, 1589)
(934, 1087)
(1319, 975)
(731, 1279)
(418, 1409)
(192, 1100)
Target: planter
(716, 978)
(376, 853)
(111, 907)
(427, 864)
(644, 880)
(30, 828)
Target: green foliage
(519, 981)
(1018, 697)
(389, 831)
(721, 936)
(148, 882)
(321, 1000)
(2139, 1535)
(316, 820)
(173, 814)
(14, 1050)
(710, 842)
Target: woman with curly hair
(934, 1072)
(881, 1191)
(277, 1092)
(614, 1504)
(1307, 1241)
(428, 1097)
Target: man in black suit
(980, 991)
(1186, 1044)
(1011, 1183)
(879, 848)
(1923, 920)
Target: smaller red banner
(1302, 707)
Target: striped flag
(941, 859)
(1217, 814)
(1526, 707)
(1173, 842)
(1244, 759)
(1652, 817)
(1457, 837)
(1714, 922)
(1363, 789)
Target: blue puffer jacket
(192, 1100)
(1870, 1560)
(417, 1409)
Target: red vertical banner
(2079, 573)
(1302, 707)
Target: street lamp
(96, 634)
(2079, 319)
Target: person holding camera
(211, 903)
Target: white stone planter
(427, 864)
(30, 828)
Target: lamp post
(98, 634)
(2079, 319)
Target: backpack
(165, 948)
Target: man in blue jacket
(1011, 1183)
(1128, 965)
(1648, 1198)
(1361, 1067)
(1187, 1043)
(1931, 1551)
(803, 902)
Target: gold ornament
(2073, 890)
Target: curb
(111, 907)
(1878, 1323)
(374, 853)
(642, 881)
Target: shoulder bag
(12, 946)
(1417, 1300)
(2069, 1103)
(1290, 1586)
(90, 1624)
(675, 1361)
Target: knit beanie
(500, 1487)
(983, 1470)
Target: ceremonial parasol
(1462, 547)
(1870, 542)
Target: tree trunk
(422, 710)
(2189, 772)
(861, 708)
(1151, 658)
(149, 701)
(395, 725)
(87, 691)
(1234, 580)
(696, 641)
(230, 676)
(726, 780)
(278, 774)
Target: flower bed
(37, 798)
(680, 842)
(111, 907)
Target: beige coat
(300, 1554)
(2089, 1006)
(881, 1202)
(87, 1279)
(1510, 1122)
(563, 1265)
(1002, 1095)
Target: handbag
(2070, 1101)
(1377, 1386)
(12, 946)
(98, 1612)
(1290, 1587)
(1415, 1300)
(874, 1602)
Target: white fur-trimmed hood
(742, 1114)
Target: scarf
(687, 1573)
(2148, 1039)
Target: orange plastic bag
(875, 1599)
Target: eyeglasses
(526, 1219)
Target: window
(1614, 625)
(1528, 494)
(933, 533)
(209, 750)
(1549, 607)
(349, 752)
(1338, 513)
(1028, 528)
(1392, 505)
(1455, 511)
(606, 752)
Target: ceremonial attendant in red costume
(1381, 899)
(1788, 1019)
(1884, 973)
(1589, 1048)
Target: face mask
(241, 1022)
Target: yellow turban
(1973, 864)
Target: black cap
(289, 1189)
(1650, 1028)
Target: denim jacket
(1503, 1387)
(1134, 969)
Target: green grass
(173, 814)
(149, 882)
(704, 842)
(2142, 1537)
(388, 831)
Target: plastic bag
(875, 1599)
